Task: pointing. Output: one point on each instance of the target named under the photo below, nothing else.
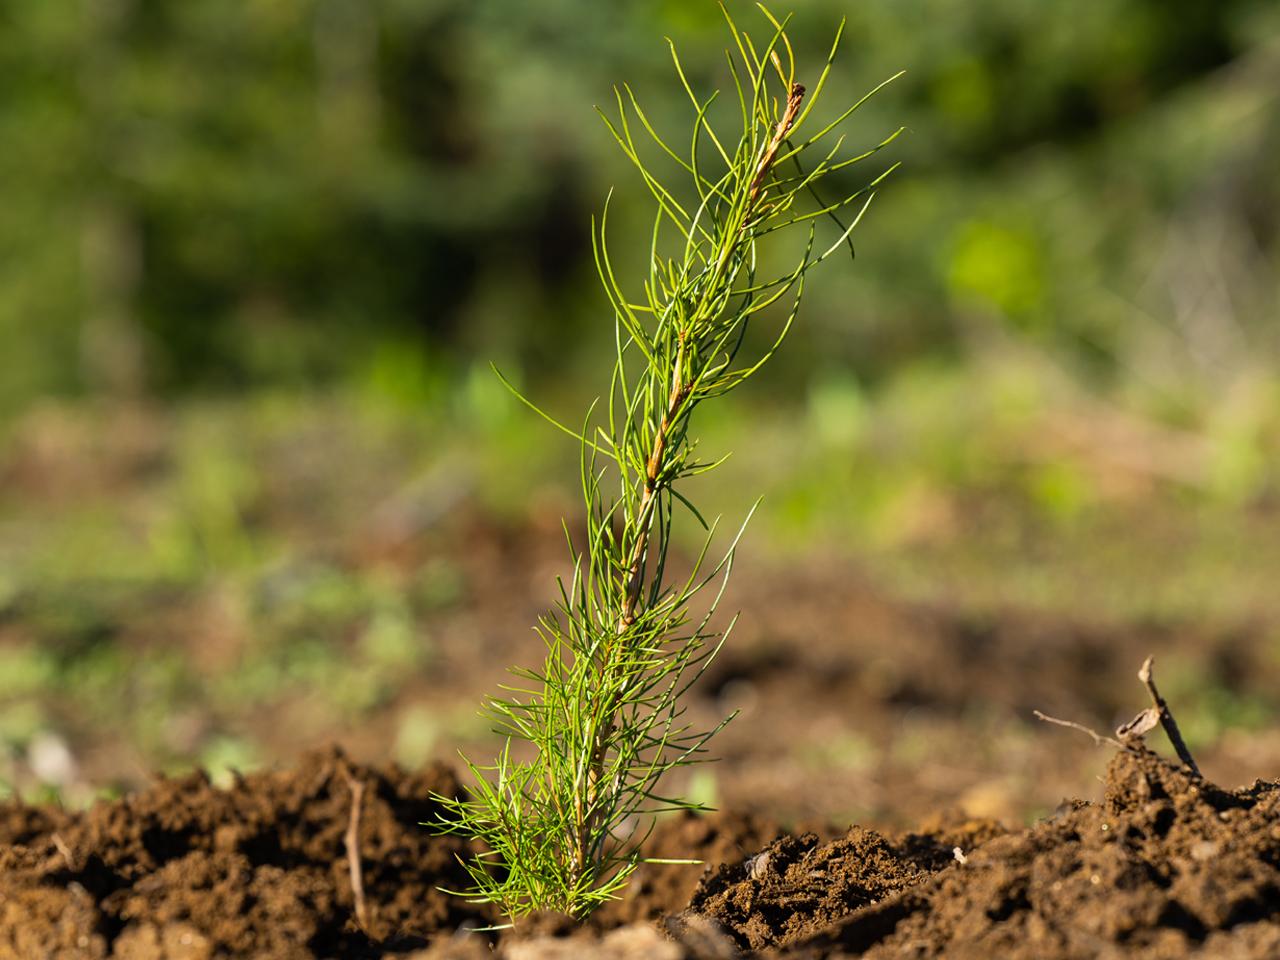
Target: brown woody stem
(655, 466)
(680, 390)
(1166, 717)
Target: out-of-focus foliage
(1066, 302)
(201, 193)
(229, 582)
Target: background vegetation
(202, 195)
(256, 258)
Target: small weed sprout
(563, 829)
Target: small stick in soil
(61, 846)
(1166, 717)
(1098, 738)
(353, 846)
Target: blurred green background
(256, 259)
(201, 196)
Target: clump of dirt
(658, 889)
(186, 870)
(260, 869)
(1167, 866)
(796, 886)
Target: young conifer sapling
(561, 823)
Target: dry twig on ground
(1098, 738)
(352, 841)
(1160, 713)
(1146, 721)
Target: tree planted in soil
(604, 714)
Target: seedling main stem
(656, 464)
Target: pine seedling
(562, 821)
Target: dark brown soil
(660, 889)
(796, 885)
(1165, 866)
(184, 869)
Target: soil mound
(186, 870)
(796, 885)
(1167, 866)
(660, 889)
(183, 869)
